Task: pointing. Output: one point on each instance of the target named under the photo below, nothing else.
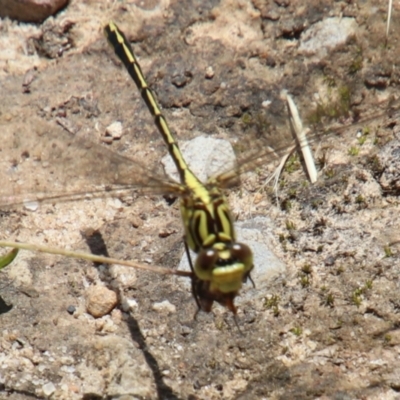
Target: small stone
(129, 305)
(216, 155)
(48, 389)
(210, 72)
(329, 261)
(71, 309)
(125, 277)
(326, 35)
(266, 103)
(31, 205)
(30, 10)
(164, 307)
(114, 130)
(167, 231)
(136, 221)
(100, 301)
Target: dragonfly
(222, 264)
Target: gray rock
(206, 156)
(326, 36)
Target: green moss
(360, 199)
(315, 203)
(327, 298)
(258, 121)
(297, 331)
(368, 284)
(290, 226)
(340, 269)
(388, 251)
(292, 193)
(306, 269)
(375, 164)
(336, 105)
(356, 298)
(360, 291)
(330, 173)
(286, 205)
(330, 81)
(305, 281)
(362, 140)
(272, 303)
(247, 119)
(357, 61)
(292, 164)
(353, 151)
(387, 338)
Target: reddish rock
(100, 301)
(30, 10)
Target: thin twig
(92, 257)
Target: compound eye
(205, 263)
(242, 253)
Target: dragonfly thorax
(207, 220)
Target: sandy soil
(326, 329)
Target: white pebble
(114, 130)
(48, 388)
(164, 306)
(129, 305)
(31, 205)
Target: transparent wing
(53, 164)
(50, 163)
(270, 149)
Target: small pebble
(114, 130)
(164, 306)
(210, 72)
(48, 389)
(30, 10)
(129, 305)
(71, 309)
(266, 103)
(31, 205)
(100, 301)
(329, 261)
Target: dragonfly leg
(251, 280)
(188, 255)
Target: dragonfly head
(220, 272)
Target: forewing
(272, 148)
(47, 162)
